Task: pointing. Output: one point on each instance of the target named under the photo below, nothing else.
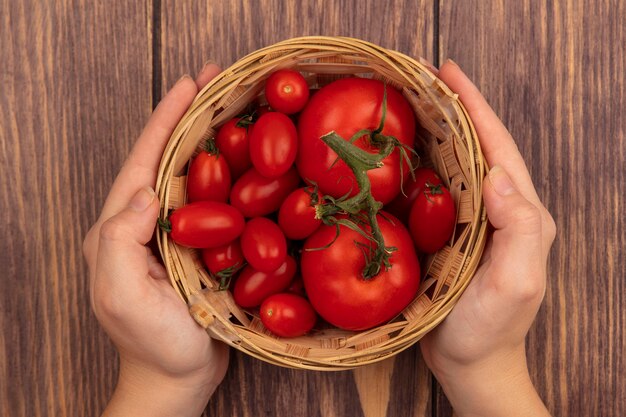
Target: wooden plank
(553, 71)
(223, 31)
(76, 90)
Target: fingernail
(205, 67)
(207, 63)
(501, 181)
(142, 199)
(184, 77)
(451, 62)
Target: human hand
(168, 364)
(478, 352)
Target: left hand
(168, 363)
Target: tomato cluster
(309, 206)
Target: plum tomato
(334, 282)
(225, 257)
(401, 205)
(208, 178)
(432, 218)
(347, 106)
(255, 195)
(273, 144)
(287, 315)
(252, 286)
(286, 91)
(296, 216)
(205, 224)
(233, 143)
(263, 244)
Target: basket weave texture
(447, 142)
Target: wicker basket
(449, 144)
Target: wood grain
(224, 31)
(554, 73)
(79, 80)
(76, 90)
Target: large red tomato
(347, 106)
(333, 276)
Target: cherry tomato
(273, 144)
(232, 142)
(252, 286)
(263, 244)
(287, 315)
(347, 106)
(224, 257)
(255, 195)
(296, 216)
(333, 276)
(432, 218)
(208, 178)
(286, 91)
(401, 205)
(205, 224)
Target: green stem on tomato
(165, 224)
(210, 147)
(361, 161)
(225, 275)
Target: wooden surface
(79, 79)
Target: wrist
(499, 385)
(141, 391)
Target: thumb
(516, 258)
(121, 250)
(136, 222)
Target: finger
(140, 169)
(517, 255)
(496, 142)
(122, 258)
(155, 269)
(206, 74)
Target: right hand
(479, 349)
